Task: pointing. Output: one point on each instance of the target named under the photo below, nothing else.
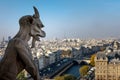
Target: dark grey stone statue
(18, 54)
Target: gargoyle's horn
(36, 12)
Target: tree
(83, 70)
(21, 76)
(65, 77)
(59, 78)
(69, 77)
(92, 60)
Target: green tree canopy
(21, 76)
(83, 70)
(59, 78)
(65, 77)
(69, 77)
(92, 60)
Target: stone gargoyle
(18, 55)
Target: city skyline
(64, 18)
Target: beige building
(107, 66)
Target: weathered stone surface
(18, 54)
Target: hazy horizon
(64, 18)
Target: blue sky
(64, 18)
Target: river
(73, 70)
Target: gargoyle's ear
(36, 15)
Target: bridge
(80, 61)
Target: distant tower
(3, 39)
(3, 42)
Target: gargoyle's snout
(42, 33)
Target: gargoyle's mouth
(41, 34)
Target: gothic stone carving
(17, 54)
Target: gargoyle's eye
(42, 26)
